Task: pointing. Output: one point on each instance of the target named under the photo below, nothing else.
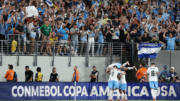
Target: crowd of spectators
(88, 21)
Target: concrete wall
(61, 63)
(170, 58)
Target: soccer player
(122, 67)
(122, 87)
(153, 80)
(113, 81)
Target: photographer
(144, 79)
(173, 75)
(165, 72)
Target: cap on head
(10, 66)
(172, 67)
(94, 66)
(165, 66)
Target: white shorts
(63, 43)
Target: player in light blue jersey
(113, 80)
(121, 67)
(153, 80)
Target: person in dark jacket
(94, 75)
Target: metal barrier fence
(56, 48)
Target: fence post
(36, 49)
(18, 50)
(111, 50)
(121, 53)
(1, 53)
(132, 52)
(70, 56)
(87, 56)
(53, 53)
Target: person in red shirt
(90, 19)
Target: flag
(49, 3)
(149, 50)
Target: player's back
(152, 71)
(113, 74)
(123, 78)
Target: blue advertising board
(84, 91)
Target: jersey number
(152, 73)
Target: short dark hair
(27, 67)
(54, 67)
(38, 69)
(152, 63)
(10, 26)
(142, 64)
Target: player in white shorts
(153, 80)
(113, 81)
(122, 87)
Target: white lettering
(84, 91)
(13, 88)
(102, 92)
(41, 90)
(65, 94)
(22, 91)
(35, 91)
(47, 91)
(27, 91)
(172, 91)
(78, 90)
(158, 91)
(144, 91)
(55, 91)
(94, 91)
(129, 90)
(133, 91)
(163, 90)
(72, 88)
(59, 94)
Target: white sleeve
(111, 65)
(148, 71)
(157, 70)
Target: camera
(177, 77)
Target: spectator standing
(145, 38)
(91, 35)
(45, 31)
(39, 75)
(33, 36)
(154, 40)
(108, 34)
(10, 74)
(19, 30)
(94, 75)
(170, 41)
(54, 77)
(75, 75)
(165, 73)
(142, 72)
(28, 75)
(100, 43)
(74, 32)
(83, 33)
(63, 37)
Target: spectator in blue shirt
(170, 41)
(165, 72)
(172, 13)
(83, 39)
(63, 37)
(80, 23)
(100, 43)
(2, 29)
(42, 9)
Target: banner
(149, 50)
(32, 11)
(85, 91)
